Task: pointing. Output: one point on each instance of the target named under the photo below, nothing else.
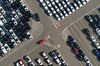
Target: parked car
(2, 32)
(79, 3)
(39, 61)
(3, 49)
(57, 61)
(31, 64)
(78, 53)
(83, 2)
(19, 63)
(7, 47)
(36, 17)
(75, 6)
(97, 45)
(29, 35)
(62, 60)
(49, 62)
(27, 58)
(86, 59)
(57, 53)
(97, 52)
(54, 55)
(44, 55)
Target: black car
(88, 18)
(80, 57)
(36, 17)
(72, 42)
(98, 17)
(86, 31)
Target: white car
(49, 5)
(68, 3)
(53, 3)
(31, 64)
(62, 60)
(11, 1)
(41, 1)
(58, 61)
(3, 19)
(3, 49)
(13, 42)
(17, 40)
(46, 8)
(58, 10)
(54, 12)
(57, 53)
(12, 33)
(7, 47)
(22, 2)
(29, 35)
(57, 1)
(19, 13)
(44, 4)
(65, 13)
(76, 6)
(59, 5)
(54, 55)
(2, 32)
(62, 16)
(68, 10)
(89, 64)
(14, 21)
(2, 10)
(49, 62)
(98, 31)
(87, 0)
(86, 59)
(27, 58)
(47, 2)
(97, 45)
(79, 3)
(25, 7)
(64, 4)
(93, 39)
(52, 9)
(39, 61)
(83, 2)
(44, 55)
(57, 16)
(49, 12)
(71, 7)
(15, 15)
(1, 44)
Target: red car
(75, 51)
(41, 42)
(20, 63)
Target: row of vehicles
(94, 22)
(14, 26)
(94, 42)
(78, 51)
(54, 54)
(60, 9)
(58, 58)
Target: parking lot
(45, 27)
(86, 45)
